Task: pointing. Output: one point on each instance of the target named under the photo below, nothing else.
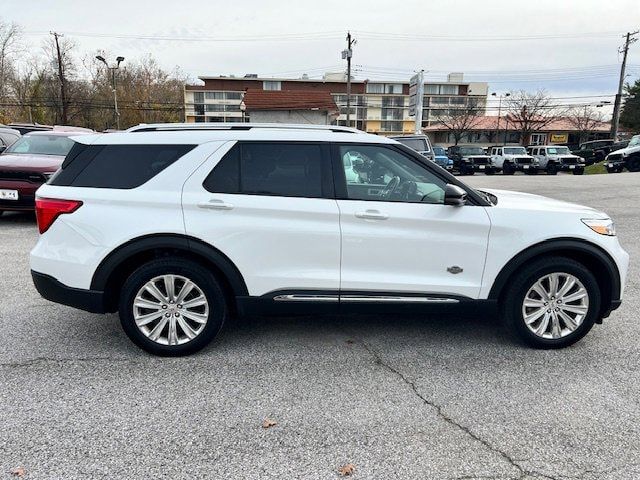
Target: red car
(29, 163)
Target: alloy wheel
(555, 305)
(170, 310)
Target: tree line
(53, 84)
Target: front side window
(384, 174)
(275, 169)
(42, 145)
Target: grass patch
(595, 169)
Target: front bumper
(563, 167)
(55, 291)
(483, 168)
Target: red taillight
(48, 209)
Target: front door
(397, 234)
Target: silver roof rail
(178, 127)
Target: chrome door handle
(372, 215)
(215, 204)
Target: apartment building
(376, 106)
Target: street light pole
(347, 54)
(494, 94)
(116, 112)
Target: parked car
(554, 159)
(25, 128)
(177, 227)
(8, 136)
(440, 157)
(628, 157)
(27, 164)
(513, 158)
(468, 159)
(594, 151)
(420, 143)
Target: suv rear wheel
(172, 307)
(551, 303)
(552, 169)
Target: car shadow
(17, 218)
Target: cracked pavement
(399, 397)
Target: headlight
(603, 227)
(535, 161)
(580, 160)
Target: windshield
(558, 150)
(42, 145)
(635, 140)
(515, 151)
(418, 144)
(471, 151)
(439, 151)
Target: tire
(578, 171)
(490, 171)
(619, 169)
(210, 317)
(633, 164)
(611, 169)
(552, 169)
(520, 285)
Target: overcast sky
(574, 49)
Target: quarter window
(278, 169)
(384, 174)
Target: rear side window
(278, 169)
(116, 166)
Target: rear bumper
(55, 291)
(26, 195)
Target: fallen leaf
(347, 470)
(350, 342)
(18, 472)
(268, 423)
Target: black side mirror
(2, 148)
(454, 195)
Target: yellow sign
(559, 137)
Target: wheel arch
(121, 262)
(597, 260)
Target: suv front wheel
(172, 307)
(551, 303)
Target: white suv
(177, 227)
(554, 159)
(513, 158)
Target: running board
(363, 298)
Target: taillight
(48, 209)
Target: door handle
(372, 215)
(215, 204)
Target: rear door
(269, 207)
(398, 236)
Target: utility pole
(347, 54)
(630, 38)
(63, 89)
(494, 94)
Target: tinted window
(116, 166)
(418, 144)
(280, 169)
(384, 174)
(42, 145)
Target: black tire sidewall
(512, 305)
(204, 279)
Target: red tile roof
(490, 122)
(289, 100)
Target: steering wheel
(390, 187)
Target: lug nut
(177, 314)
(179, 306)
(167, 314)
(164, 307)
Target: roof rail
(174, 127)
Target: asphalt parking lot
(411, 398)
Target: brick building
(376, 106)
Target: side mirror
(2, 148)
(454, 195)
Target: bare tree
(460, 121)
(585, 120)
(530, 112)
(9, 45)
